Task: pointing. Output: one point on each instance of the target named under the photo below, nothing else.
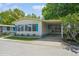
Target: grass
(2, 35)
(21, 38)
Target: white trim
(7, 25)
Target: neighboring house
(6, 29)
(36, 27)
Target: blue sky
(28, 8)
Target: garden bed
(21, 38)
(3, 35)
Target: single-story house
(36, 27)
(31, 27)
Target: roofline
(21, 19)
(53, 21)
(6, 25)
(41, 20)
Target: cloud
(37, 7)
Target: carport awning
(6, 25)
(53, 21)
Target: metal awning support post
(62, 31)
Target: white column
(61, 30)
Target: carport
(53, 27)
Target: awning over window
(7, 25)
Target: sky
(28, 8)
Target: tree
(57, 10)
(70, 19)
(68, 13)
(28, 15)
(33, 15)
(18, 13)
(71, 27)
(8, 16)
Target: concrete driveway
(16, 48)
(51, 38)
(47, 41)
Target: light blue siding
(4, 29)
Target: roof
(27, 18)
(42, 20)
(30, 18)
(7, 25)
(53, 21)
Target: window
(35, 27)
(20, 28)
(29, 27)
(8, 28)
(25, 27)
(16, 28)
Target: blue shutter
(37, 27)
(14, 28)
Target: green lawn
(21, 38)
(2, 35)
